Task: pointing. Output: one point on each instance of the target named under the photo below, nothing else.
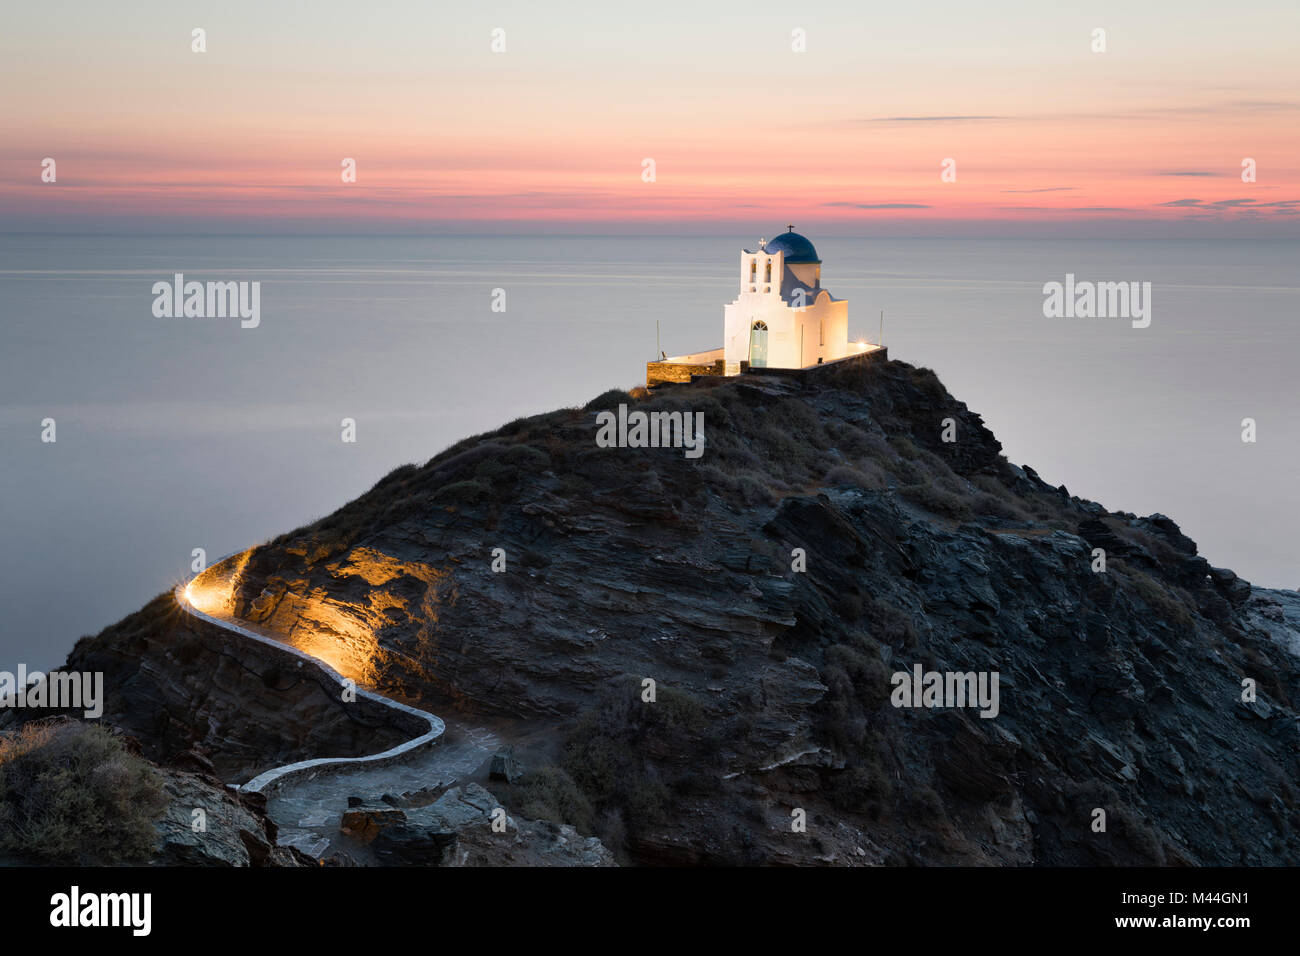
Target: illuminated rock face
(176, 683)
(372, 593)
(782, 317)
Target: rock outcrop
(829, 538)
(457, 829)
(206, 824)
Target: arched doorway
(758, 345)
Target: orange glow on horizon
(740, 128)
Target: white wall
(824, 323)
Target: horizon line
(833, 234)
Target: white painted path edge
(263, 782)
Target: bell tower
(761, 272)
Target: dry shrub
(70, 792)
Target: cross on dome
(796, 249)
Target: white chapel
(783, 318)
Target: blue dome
(795, 247)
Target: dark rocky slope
(182, 687)
(1120, 690)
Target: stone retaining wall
(659, 374)
(871, 357)
(424, 725)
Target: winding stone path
(309, 811)
(306, 798)
(428, 727)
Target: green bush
(994, 506)
(904, 446)
(466, 491)
(1159, 599)
(789, 458)
(550, 794)
(866, 477)
(796, 418)
(71, 793)
(754, 492)
(526, 458)
(853, 442)
(888, 625)
(609, 401)
(863, 786)
(396, 476)
(503, 470)
(614, 752)
(857, 686)
(936, 500)
(927, 382)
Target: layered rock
(828, 538)
(207, 824)
(458, 829)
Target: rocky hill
(827, 538)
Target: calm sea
(176, 434)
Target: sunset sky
(1048, 136)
